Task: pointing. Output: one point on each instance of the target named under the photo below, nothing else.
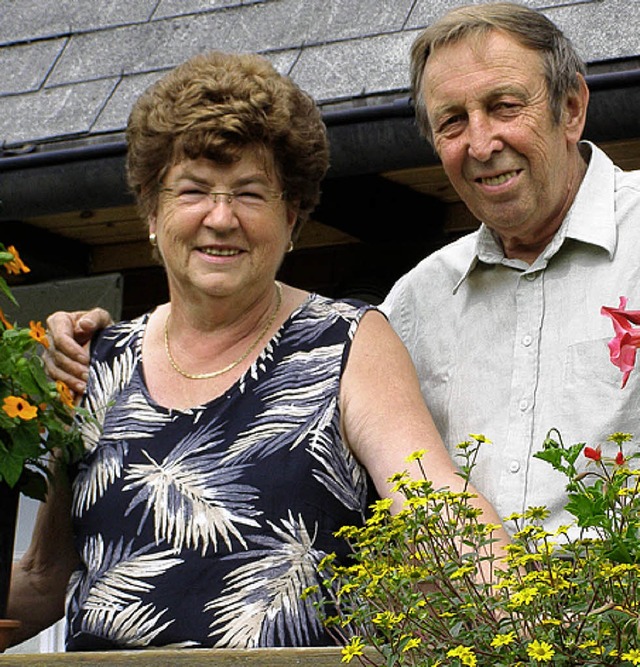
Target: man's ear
(574, 113)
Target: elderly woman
(244, 421)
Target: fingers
(90, 322)
(61, 367)
(67, 357)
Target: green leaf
(589, 511)
(11, 467)
(33, 484)
(4, 288)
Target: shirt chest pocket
(591, 383)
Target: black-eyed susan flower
(38, 333)
(16, 265)
(16, 406)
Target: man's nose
(483, 140)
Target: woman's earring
(290, 248)
(153, 239)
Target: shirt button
(523, 405)
(514, 466)
(527, 340)
(531, 276)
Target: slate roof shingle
(70, 69)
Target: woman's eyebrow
(246, 179)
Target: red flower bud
(593, 454)
(619, 458)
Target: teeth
(498, 180)
(217, 252)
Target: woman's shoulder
(320, 321)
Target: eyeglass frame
(232, 196)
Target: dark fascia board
(364, 140)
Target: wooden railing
(273, 657)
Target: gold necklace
(233, 364)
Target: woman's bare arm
(39, 580)
(385, 418)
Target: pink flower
(622, 348)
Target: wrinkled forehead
(234, 160)
(481, 56)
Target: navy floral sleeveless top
(203, 527)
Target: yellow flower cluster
(559, 597)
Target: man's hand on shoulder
(67, 357)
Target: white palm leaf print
(259, 365)
(319, 316)
(110, 595)
(135, 626)
(340, 473)
(194, 499)
(92, 480)
(133, 418)
(297, 398)
(129, 419)
(262, 603)
(106, 381)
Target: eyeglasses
(251, 199)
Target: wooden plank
(94, 227)
(430, 181)
(97, 215)
(625, 153)
(275, 657)
(110, 257)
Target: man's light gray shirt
(511, 350)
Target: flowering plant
(37, 416)
(426, 587)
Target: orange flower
(5, 321)
(16, 265)
(65, 394)
(15, 406)
(37, 332)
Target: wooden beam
(273, 657)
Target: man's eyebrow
(445, 110)
(507, 89)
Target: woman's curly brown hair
(216, 104)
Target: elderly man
(504, 325)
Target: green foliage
(425, 586)
(37, 416)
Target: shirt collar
(590, 219)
